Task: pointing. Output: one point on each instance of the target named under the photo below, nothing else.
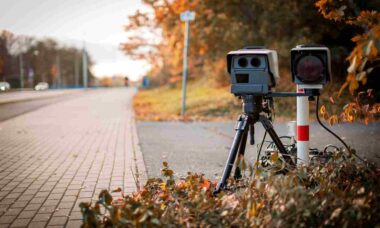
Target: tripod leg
(269, 128)
(243, 143)
(240, 128)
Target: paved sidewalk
(63, 154)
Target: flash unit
(310, 64)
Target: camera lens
(243, 62)
(255, 62)
(310, 69)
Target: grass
(202, 103)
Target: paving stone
(42, 217)
(58, 190)
(7, 201)
(7, 219)
(26, 214)
(74, 223)
(58, 221)
(13, 211)
(42, 194)
(76, 215)
(4, 207)
(37, 224)
(51, 202)
(19, 189)
(38, 200)
(64, 205)
(13, 196)
(62, 212)
(71, 192)
(47, 209)
(20, 223)
(20, 204)
(33, 207)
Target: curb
(138, 158)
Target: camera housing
(253, 70)
(311, 65)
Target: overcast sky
(98, 22)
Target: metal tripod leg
(269, 128)
(243, 143)
(241, 125)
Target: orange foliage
(361, 58)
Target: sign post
(186, 16)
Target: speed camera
(253, 70)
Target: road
(27, 95)
(12, 109)
(64, 153)
(203, 147)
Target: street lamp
(21, 70)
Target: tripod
(253, 109)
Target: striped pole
(302, 128)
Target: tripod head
(253, 105)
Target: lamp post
(84, 65)
(186, 16)
(21, 71)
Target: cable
(335, 135)
(261, 146)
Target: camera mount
(256, 109)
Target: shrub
(340, 193)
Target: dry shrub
(340, 193)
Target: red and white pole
(302, 128)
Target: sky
(96, 23)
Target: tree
(221, 26)
(38, 58)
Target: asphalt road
(10, 110)
(13, 104)
(203, 147)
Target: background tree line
(224, 25)
(40, 61)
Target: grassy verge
(202, 103)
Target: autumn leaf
(117, 190)
(332, 101)
(205, 185)
(333, 120)
(322, 110)
(274, 156)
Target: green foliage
(340, 193)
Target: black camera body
(311, 65)
(253, 70)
